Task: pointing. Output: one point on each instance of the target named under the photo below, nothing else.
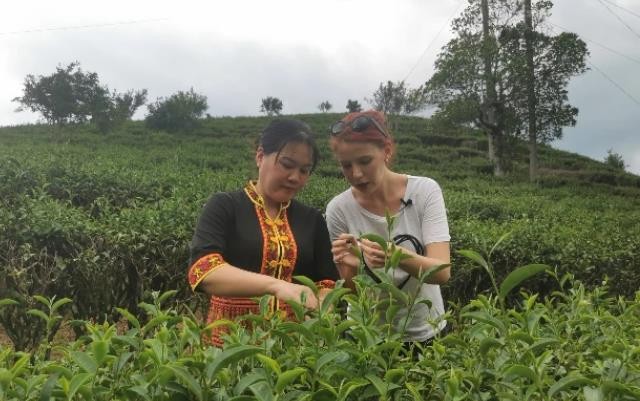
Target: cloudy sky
(304, 52)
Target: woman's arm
(230, 281)
(436, 254)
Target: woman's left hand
(373, 254)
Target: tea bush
(106, 220)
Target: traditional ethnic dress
(234, 228)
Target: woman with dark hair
(251, 242)
(363, 147)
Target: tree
(482, 75)
(614, 160)
(395, 98)
(68, 95)
(389, 98)
(180, 112)
(325, 106)
(353, 106)
(71, 95)
(117, 109)
(271, 106)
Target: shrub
(180, 112)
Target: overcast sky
(304, 52)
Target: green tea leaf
(248, 380)
(328, 357)
(392, 375)
(130, 317)
(76, 382)
(270, 363)
(100, 349)
(573, 380)
(474, 256)
(519, 275)
(8, 301)
(47, 388)
(186, 378)
(229, 356)
(611, 387)
(287, 378)
(84, 361)
(38, 313)
(487, 343)
(542, 344)
(306, 281)
(486, 319)
(592, 394)
(518, 370)
(166, 295)
(377, 239)
(60, 303)
(332, 298)
(380, 386)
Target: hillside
(94, 234)
(71, 197)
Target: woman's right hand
(286, 291)
(344, 255)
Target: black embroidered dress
(234, 228)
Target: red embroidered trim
(232, 309)
(203, 266)
(279, 248)
(326, 284)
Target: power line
(620, 88)
(619, 19)
(599, 44)
(625, 9)
(434, 40)
(71, 27)
(614, 83)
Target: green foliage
(72, 96)
(325, 106)
(614, 160)
(353, 106)
(180, 112)
(271, 106)
(117, 210)
(68, 95)
(475, 63)
(575, 344)
(395, 98)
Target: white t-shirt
(423, 216)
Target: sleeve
(326, 272)
(336, 223)
(209, 240)
(435, 227)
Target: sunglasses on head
(359, 124)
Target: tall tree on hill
(395, 98)
(71, 95)
(482, 74)
(271, 106)
(353, 106)
(325, 106)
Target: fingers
(373, 254)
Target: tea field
(94, 231)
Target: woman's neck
(272, 208)
(387, 196)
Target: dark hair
(282, 131)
